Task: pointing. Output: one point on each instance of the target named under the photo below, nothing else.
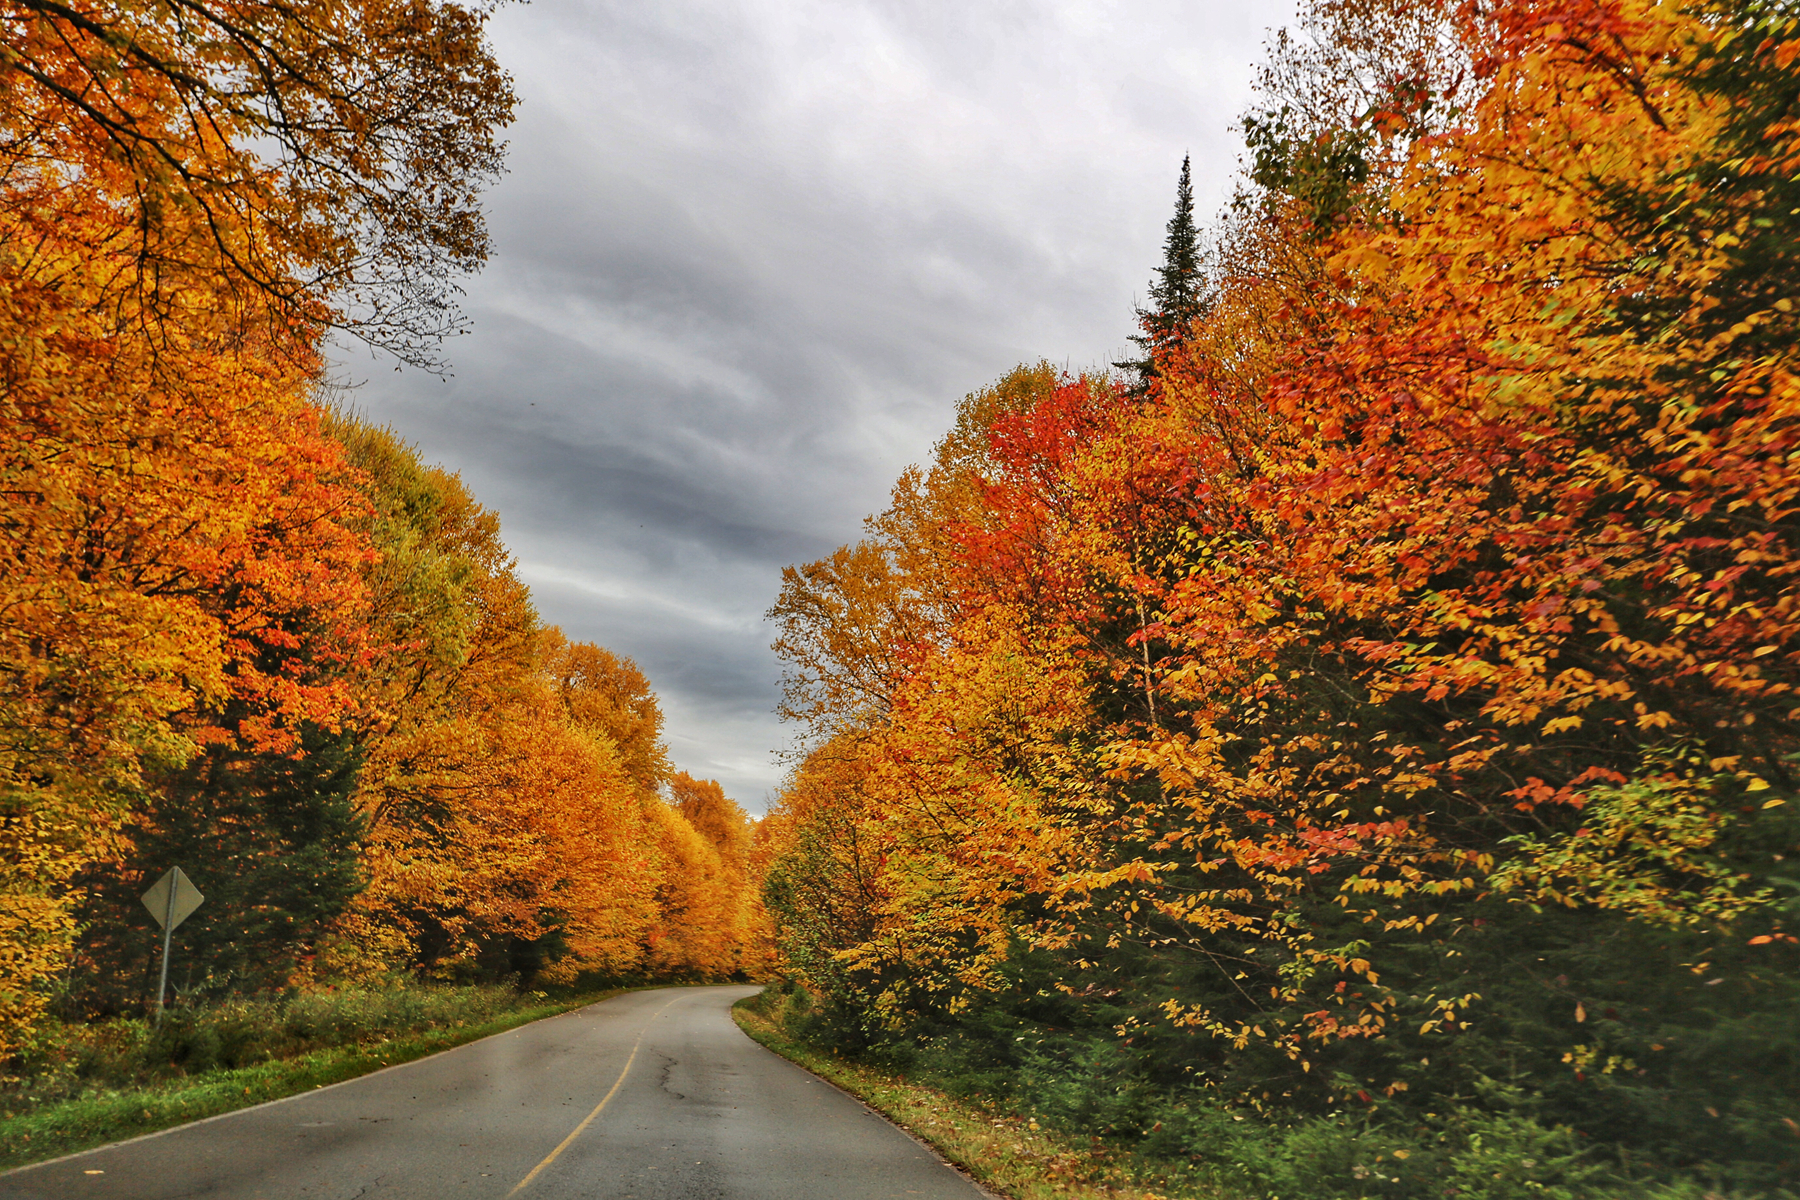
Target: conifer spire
(1176, 294)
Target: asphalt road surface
(647, 1096)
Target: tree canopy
(1385, 721)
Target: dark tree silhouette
(1177, 294)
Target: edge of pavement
(743, 1018)
(1028, 1165)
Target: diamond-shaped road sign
(169, 909)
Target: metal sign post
(171, 900)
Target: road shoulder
(1001, 1152)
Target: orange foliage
(608, 696)
(178, 567)
(1465, 504)
(196, 555)
(171, 518)
(509, 786)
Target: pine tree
(1177, 294)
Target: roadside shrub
(1491, 1141)
(66, 1060)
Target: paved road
(648, 1096)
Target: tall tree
(1177, 295)
(606, 694)
(189, 194)
(503, 831)
(714, 816)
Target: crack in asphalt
(669, 1065)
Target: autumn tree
(852, 625)
(326, 159)
(701, 924)
(714, 816)
(501, 835)
(511, 784)
(190, 195)
(159, 531)
(818, 869)
(1397, 696)
(238, 626)
(609, 695)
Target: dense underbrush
(1493, 1140)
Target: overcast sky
(750, 255)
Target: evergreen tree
(271, 842)
(1177, 294)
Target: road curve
(647, 1096)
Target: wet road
(648, 1096)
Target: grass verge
(112, 1114)
(1006, 1153)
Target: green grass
(1006, 1152)
(59, 1111)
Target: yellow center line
(589, 1120)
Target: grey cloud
(750, 255)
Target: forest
(246, 632)
(1347, 750)
(1350, 749)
